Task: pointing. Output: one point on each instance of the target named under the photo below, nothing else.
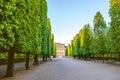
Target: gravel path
(70, 69)
(17, 67)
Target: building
(60, 50)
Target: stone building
(60, 50)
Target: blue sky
(69, 16)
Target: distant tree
(54, 50)
(52, 45)
(76, 45)
(69, 50)
(48, 38)
(73, 48)
(81, 38)
(87, 40)
(66, 52)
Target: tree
(54, 50)
(87, 40)
(36, 31)
(69, 50)
(66, 51)
(7, 35)
(43, 19)
(28, 37)
(81, 37)
(48, 38)
(75, 46)
(52, 44)
(114, 12)
(100, 32)
(23, 29)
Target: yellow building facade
(60, 50)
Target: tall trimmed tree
(100, 32)
(52, 44)
(7, 35)
(43, 20)
(48, 38)
(114, 13)
(87, 40)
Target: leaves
(114, 12)
(24, 26)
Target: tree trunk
(43, 57)
(10, 65)
(35, 60)
(46, 58)
(27, 62)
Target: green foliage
(100, 32)
(109, 42)
(7, 26)
(24, 26)
(75, 45)
(53, 46)
(20, 25)
(54, 50)
(48, 37)
(99, 25)
(91, 42)
(66, 51)
(87, 39)
(43, 20)
(114, 13)
(24, 29)
(69, 50)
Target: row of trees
(25, 29)
(99, 40)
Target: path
(70, 69)
(18, 67)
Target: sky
(69, 16)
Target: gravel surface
(69, 69)
(17, 67)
